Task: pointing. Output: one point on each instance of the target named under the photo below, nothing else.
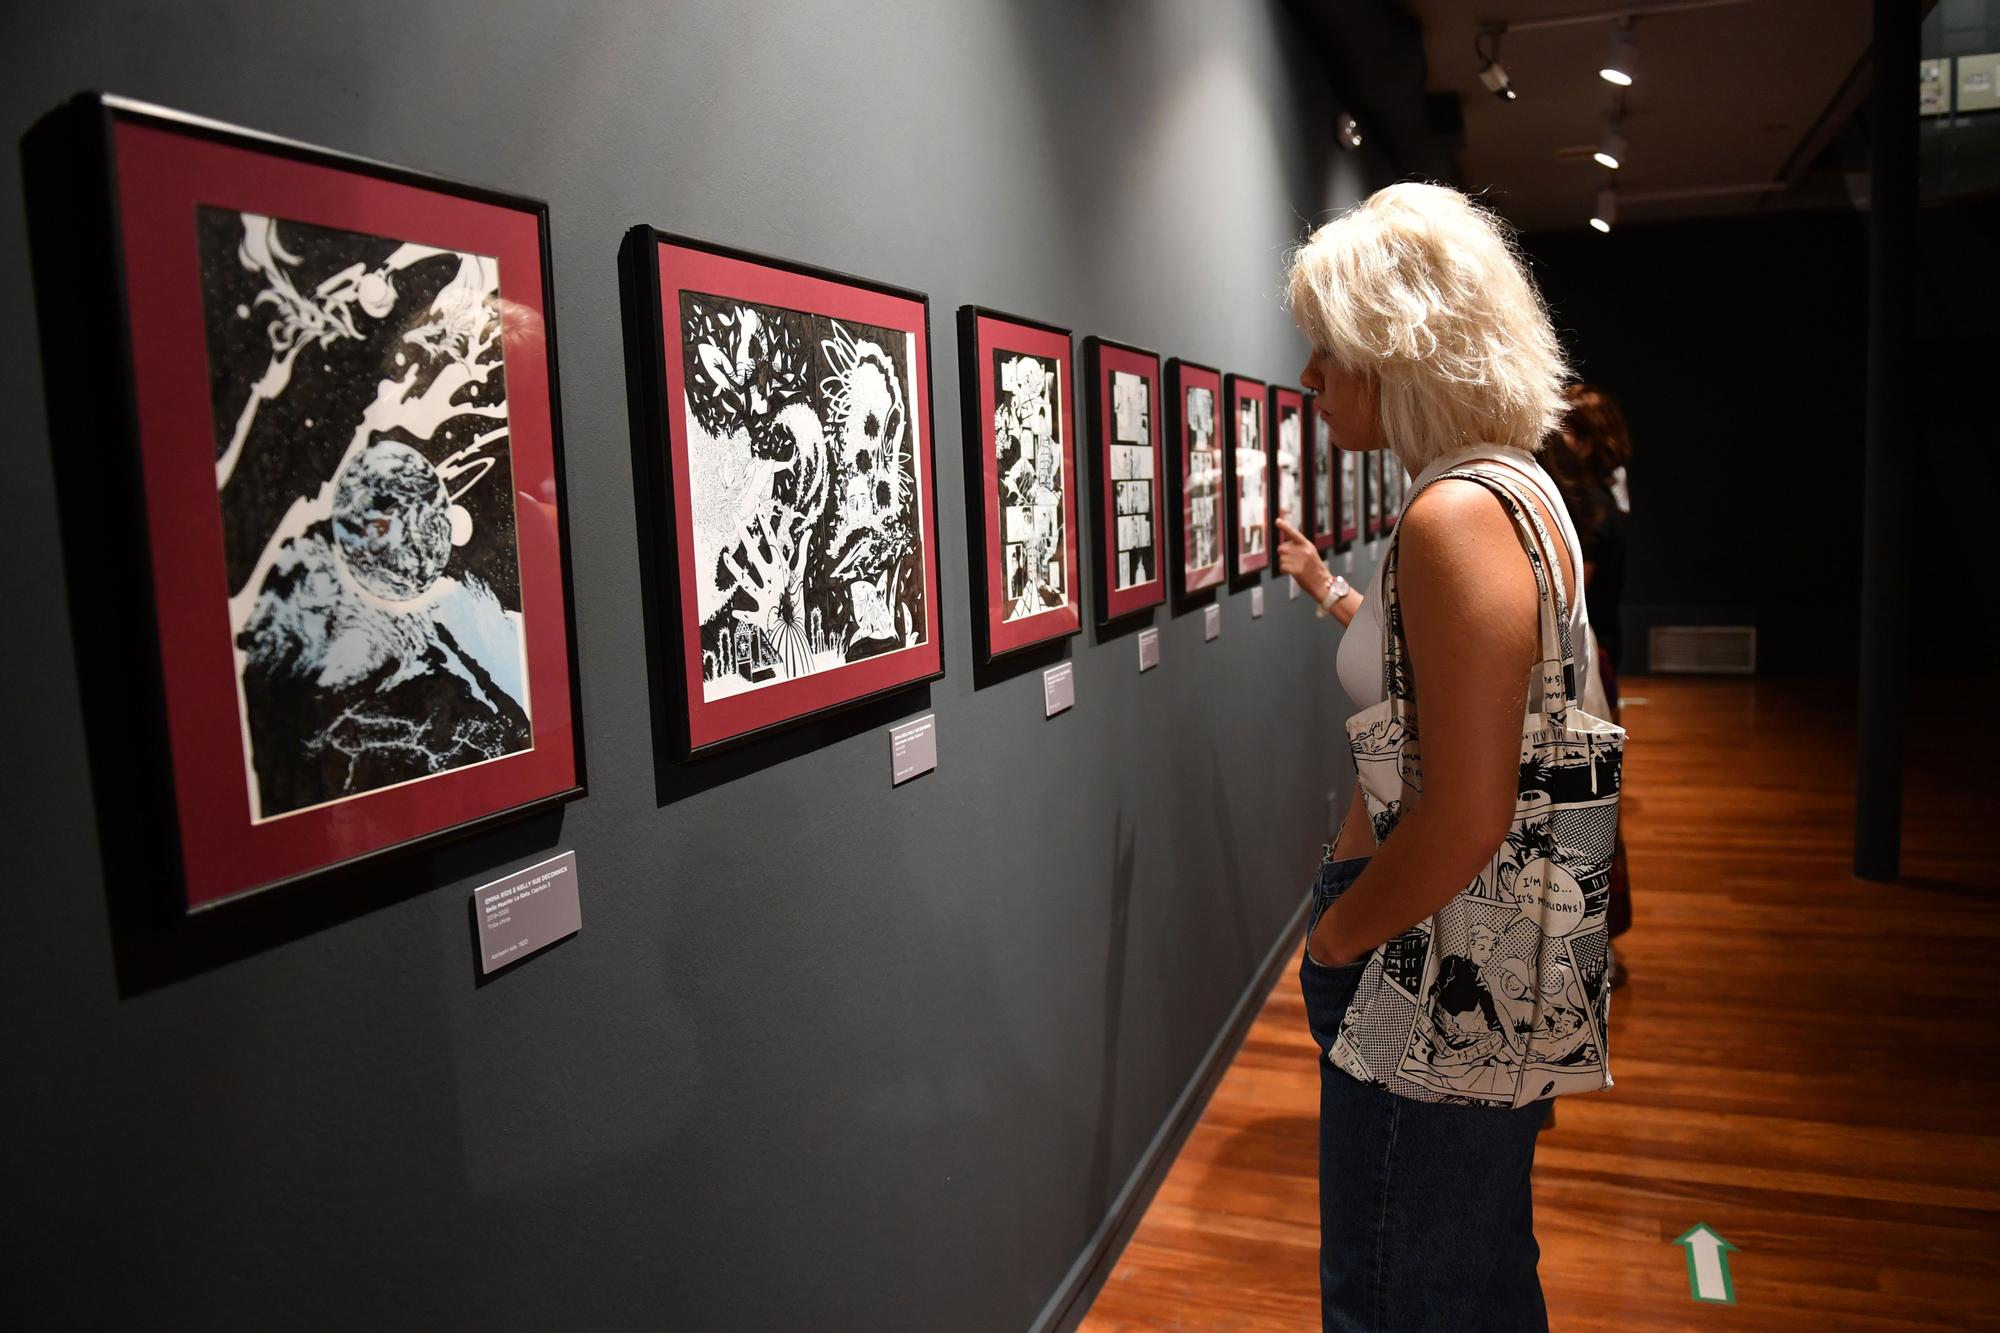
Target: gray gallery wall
(826, 1054)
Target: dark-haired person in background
(1586, 458)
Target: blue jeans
(1426, 1219)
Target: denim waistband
(1339, 873)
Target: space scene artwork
(804, 491)
(365, 478)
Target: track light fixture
(1607, 209)
(1493, 74)
(1610, 152)
(1618, 64)
(1347, 131)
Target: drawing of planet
(392, 520)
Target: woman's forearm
(1408, 878)
(1319, 582)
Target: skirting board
(1079, 1287)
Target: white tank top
(1359, 658)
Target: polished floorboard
(1808, 1063)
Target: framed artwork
(1392, 486)
(1126, 477)
(1017, 378)
(1288, 459)
(788, 509)
(327, 538)
(1249, 463)
(1347, 497)
(1194, 416)
(1322, 523)
(1373, 474)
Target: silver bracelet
(1335, 591)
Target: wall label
(912, 749)
(1292, 589)
(1149, 648)
(1211, 623)
(1058, 688)
(1256, 603)
(525, 911)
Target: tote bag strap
(1557, 670)
(1560, 671)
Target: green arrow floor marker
(1708, 1264)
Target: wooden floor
(1808, 1063)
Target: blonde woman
(1429, 340)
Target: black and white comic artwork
(1204, 481)
(1132, 477)
(804, 490)
(1501, 997)
(1028, 444)
(1322, 474)
(1350, 492)
(1291, 461)
(363, 469)
(1252, 504)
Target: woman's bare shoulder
(1459, 522)
(1454, 519)
(1460, 566)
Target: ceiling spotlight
(1611, 148)
(1347, 130)
(1486, 46)
(1607, 210)
(1618, 65)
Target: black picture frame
(74, 204)
(1324, 529)
(1115, 606)
(1175, 420)
(1247, 570)
(1373, 497)
(1347, 471)
(976, 411)
(655, 435)
(1275, 396)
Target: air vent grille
(1709, 650)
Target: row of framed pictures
(330, 571)
(1180, 500)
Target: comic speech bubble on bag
(1550, 897)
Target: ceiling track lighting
(1347, 131)
(1619, 62)
(1610, 152)
(1492, 74)
(1607, 210)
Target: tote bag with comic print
(1502, 998)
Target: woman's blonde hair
(1422, 290)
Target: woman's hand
(1298, 557)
